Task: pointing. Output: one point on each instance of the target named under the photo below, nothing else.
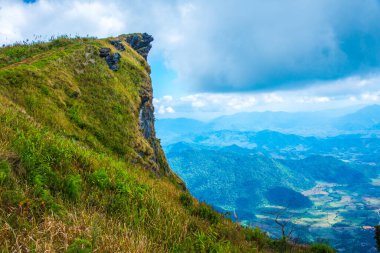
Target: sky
(211, 58)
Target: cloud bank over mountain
(342, 93)
(223, 47)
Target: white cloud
(371, 97)
(273, 98)
(161, 109)
(209, 103)
(167, 98)
(11, 19)
(318, 96)
(223, 46)
(321, 99)
(353, 99)
(170, 109)
(196, 101)
(313, 100)
(164, 110)
(48, 18)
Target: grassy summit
(77, 172)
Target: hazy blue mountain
(249, 139)
(327, 169)
(257, 121)
(355, 147)
(322, 167)
(287, 197)
(366, 118)
(306, 123)
(174, 130)
(232, 177)
(320, 123)
(225, 175)
(180, 125)
(328, 185)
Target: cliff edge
(81, 169)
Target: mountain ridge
(318, 123)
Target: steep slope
(81, 169)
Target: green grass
(80, 246)
(321, 248)
(75, 169)
(4, 171)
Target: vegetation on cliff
(80, 167)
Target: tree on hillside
(286, 222)
(287, 225)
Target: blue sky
(219, 57)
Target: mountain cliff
(81, 169)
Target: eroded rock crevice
(146, 116)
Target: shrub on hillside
(186, 200)
(73, 186)
(206, 212)
(100, 179)
(4, 171)
(321, 248)
(80, 246)
(256, 235)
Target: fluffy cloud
(312, 100)
(323, 95)
(163, 105)
(371, 97)
(165, 110)
(216, 46)
(256, 45)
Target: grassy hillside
(77, 173)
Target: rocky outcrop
(146, 116)
(159, 162)
(111, 59)
(141, 43)
(118, 45)
(104, 52)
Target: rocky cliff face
(141, 43)
(146, 116)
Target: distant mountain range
(321, 123)
(322, 167)
(365, 119)
(231, 176)
(328, 185)
(234, 177)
